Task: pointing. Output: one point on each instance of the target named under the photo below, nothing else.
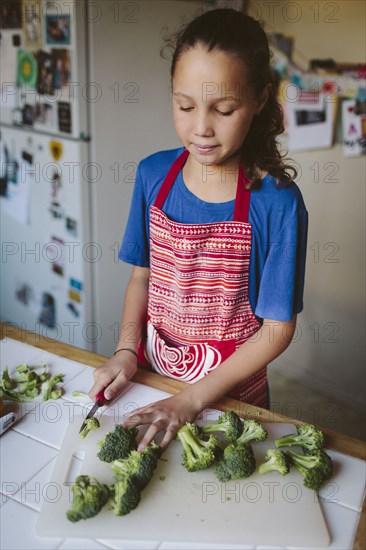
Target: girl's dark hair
(231, 31)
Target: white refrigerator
(47, 249)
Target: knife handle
(100, 399)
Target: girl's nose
(203, 126)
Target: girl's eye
(227, 113)
(185, 109)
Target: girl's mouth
(205, 149)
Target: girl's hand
(169, 415)
(113, 375)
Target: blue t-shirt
(279, 232)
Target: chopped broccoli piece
(199, 453)
(89, 497)
(237, 462)
(77, 393)
(27, 384)
(118, 443)
(25, 374)
(229, 423)
(315, 468)
(252, 431)
(275, 460)
(126, 497)
(49, 387)
(7, 383)
(91, 424)
(138, 466)
(308, 436)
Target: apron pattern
(198, 310)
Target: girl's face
(213, 104)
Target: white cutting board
(190, 507)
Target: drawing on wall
(26, 69)
(11, 14)
(32, 28)
(48, 310)
(58, 30)
(354, 127)
(310, 121)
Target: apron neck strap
(170, 179)
(242, 199)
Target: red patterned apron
(198, 310)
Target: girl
(216, 233)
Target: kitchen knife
(100, 400)
(6, 421)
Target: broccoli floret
(91, 424)
(315, 468)
(49, 387)
(237, 462)
(199, 453)
(118, 443)
(229, 423)
(308, 436)
(252, 431)
(89, 497)
(126, 497)
(275, 460)
(138, 466)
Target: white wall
(329, 353)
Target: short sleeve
(135, 244)
(281, 287)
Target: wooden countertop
(334, 440)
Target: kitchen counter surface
(26, 484)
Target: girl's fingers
(150, 434)
(169, 436)
(95, 389)
(137, 418)
(115, 387)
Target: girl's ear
(263, 98)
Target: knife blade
(100, 400)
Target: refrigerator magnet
(55, 255)
(48, 310)
(58, 30)
(72, 227)
(64, 117)
(32, 29)
(45, 73)
(26, 69)
(11, 14)
(56, 149)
